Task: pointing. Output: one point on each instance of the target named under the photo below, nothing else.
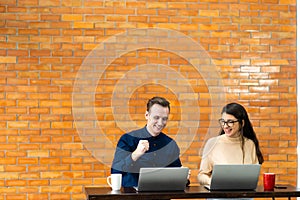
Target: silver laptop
(162, 179)
(234, 177)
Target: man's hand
(141, 149)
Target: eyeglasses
(229, 123)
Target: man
(146, 147)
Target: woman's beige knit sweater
(225, 150)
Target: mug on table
(114, 181)
(269, 181)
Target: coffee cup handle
(108, 180)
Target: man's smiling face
(157, 118)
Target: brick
(31, 161)
(7, 59)
(28, 3)
(39, 154)
(58, 196)
(24, 176)
(83, 25)
(53, 189)
(49, 3)
(72, 146)
(72, 189)
(72, 17)
(33, 195)
(137, 19)
(51, 175)
(81, 182)
(93, 4)
(61, 153)
(48, 17)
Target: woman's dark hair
(158, 100)
(239, 112)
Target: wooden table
(193, 192)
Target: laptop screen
(235, 177)
(163, 179)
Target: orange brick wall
(76, 74)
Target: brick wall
(76, 74)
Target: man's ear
(147, 115)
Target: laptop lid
(163, 179)
(235, 177)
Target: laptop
(234, 177)
(162, 179)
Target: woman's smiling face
(230, 125)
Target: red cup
(269, 181)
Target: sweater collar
(230, 139)
(146, 133)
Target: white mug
(114, 181)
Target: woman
(236, 144)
